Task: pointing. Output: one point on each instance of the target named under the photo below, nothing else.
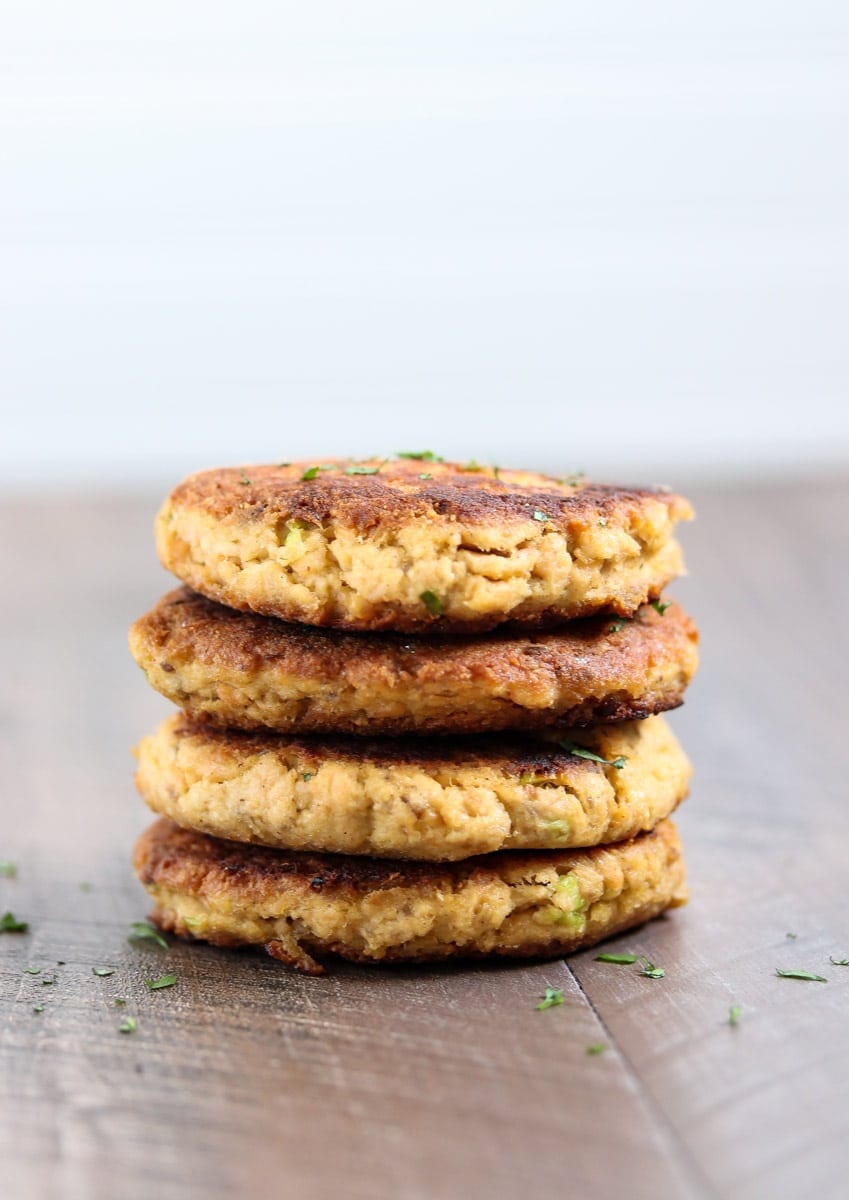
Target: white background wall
(611, 236)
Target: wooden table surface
(247, 1080)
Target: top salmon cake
(418, 544)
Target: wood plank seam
(666, 1131)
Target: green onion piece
(144, 931)
(582, 752)
(432, 603)
(8, 924)
(164, 981)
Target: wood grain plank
(245, 1079)
(764, 1107)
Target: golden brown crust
(432, 799)
(360, 551)
(397, 495)
(248, 671)
(516, 904)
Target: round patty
(433, 800)
(411, 545)
(368, 910)
(246, 671)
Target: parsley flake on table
(9, 924)
(582, 752)
(552, 997)
(734, 1013)
(838, 962)
(38, 1008)
(8, 870)
(32, 970)
(103, 972)
(620, 960)
(432, 603)
(649, 970)
(143, 931)
(128, 1025)
(809, 975)
(660, 606)
(119, 1001)
(49, 980)
(596, 1048)
(164, 981)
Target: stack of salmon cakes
(419, 711)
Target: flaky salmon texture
(297, 906)
(241, 670)
(411, 546)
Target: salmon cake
(245, 671)
(299, 906)
(440, 800)
(418, 544)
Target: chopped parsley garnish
(164, 981)
(284, 464)
(432, 603)
(649, 970)
(571, 480)
(801, 975)
(362, 470)
(8, 870)
(103, 972)
(838, 962)
(596, 1048)
(128, 1025)
(496, 472)
(310, 473)
(420, 455)
(620, 960)
(582, 752)
(618, 624)
(539, 515)
(244, 481)
(8, 924)
(471, 467)
(552, 997)
(144, 931)
(425, 475)
(734, 1015)
(660, 606)
(603, 522)
(307, 776)
(38, 1008)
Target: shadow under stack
(420, 711)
